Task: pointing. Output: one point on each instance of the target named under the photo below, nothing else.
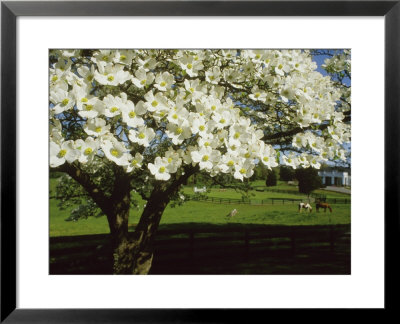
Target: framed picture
(30, 289)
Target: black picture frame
(11, 10)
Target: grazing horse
(232, 213)
(324, 206)
(305, 206)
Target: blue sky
(319, 59)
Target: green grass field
(200, 212)
(282, 185)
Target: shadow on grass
(202, 248)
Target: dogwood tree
(146, 120)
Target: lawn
(256, 195)
(277, 214)
(282, 185)
(207, 212)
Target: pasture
(201, 238)
(280, 213)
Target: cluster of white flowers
(173, 108)
(338, 63)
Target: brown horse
(324, 206)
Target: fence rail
(248, 239)
(265, 201)
(191, 248)
(262, 189)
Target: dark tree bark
(132, 254)
(118, 219)
(146, 229)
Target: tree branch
(297, 130)
(84, 180)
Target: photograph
(230, 161)
(199, 161)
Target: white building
(335, 178)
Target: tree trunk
(134, 254)
(146, 230)
(118, 219)
(123, 254)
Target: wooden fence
(265, 201)
(231, 248)
(293, 192)
(253, 236)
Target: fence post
(331, 239)
(246, 243)
(191, 245)
(293, 241)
